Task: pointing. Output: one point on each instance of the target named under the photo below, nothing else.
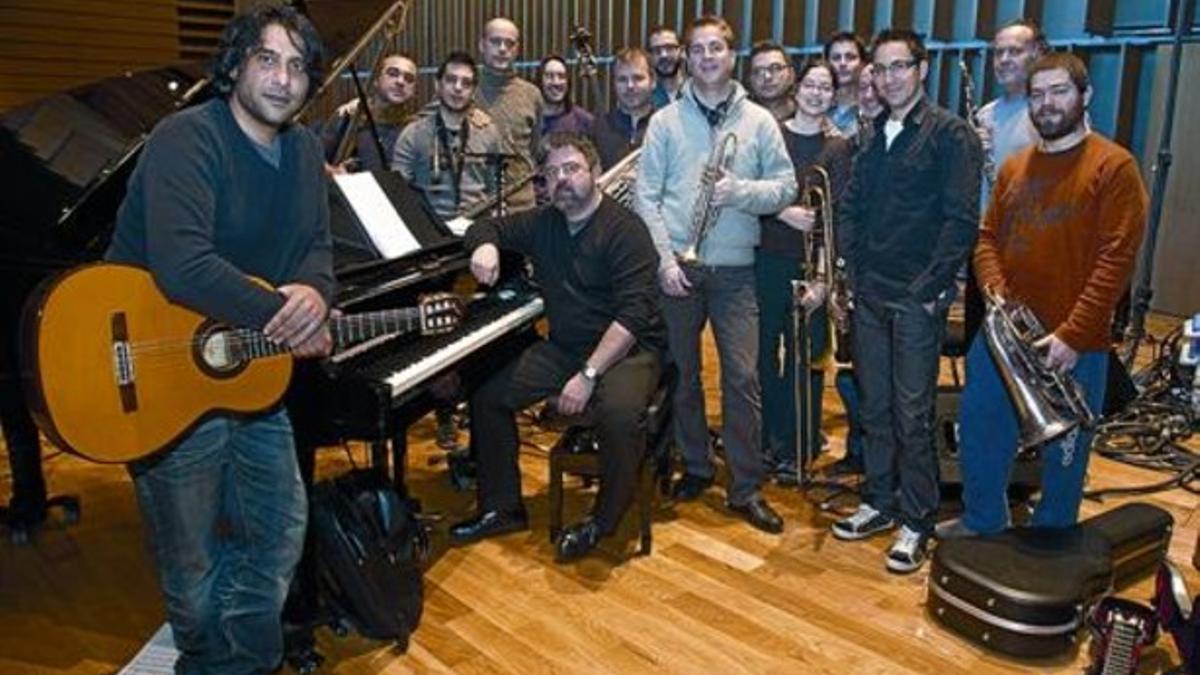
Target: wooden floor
(715, 597)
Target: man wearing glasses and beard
(595, 263)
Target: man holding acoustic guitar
(223, 190)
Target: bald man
(514, 104)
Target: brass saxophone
(1048, 403)
(705, 213)
(968, 86)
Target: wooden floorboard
(715, 597)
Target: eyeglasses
(772, 70)
(568, 170)
(896, 68)
(664, 49)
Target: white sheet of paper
(459, 225)
(156, 657)
(377, 214)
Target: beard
(668, 68)
(567, 199)
(1053, 124)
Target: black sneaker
(907, 553)
(863, 523)
(785, 473)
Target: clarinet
(968, 85)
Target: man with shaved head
(514, 104)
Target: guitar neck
(1120, 656)
(346, 330)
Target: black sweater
(911, 214)
(204, 209)
(606, 272)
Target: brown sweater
(1061, 234)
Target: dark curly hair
(244, 34)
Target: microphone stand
(1143, 293)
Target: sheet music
(459, 225)
(377, 214)
(157, 657)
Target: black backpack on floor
(371, 552)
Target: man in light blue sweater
(757, 179)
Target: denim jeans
(988, 435)
(847, 390)
(777, 357)
(724, 297)
(897, 344)
(225, 511)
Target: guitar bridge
(123, 363)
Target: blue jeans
(988, 435)
(723, 296)
(777, 358)
(897, 344)
(847, 390)
(225, 510)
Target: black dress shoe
(577, 541)
(690, 487)
(489, 524)
(759, 513)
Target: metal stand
(1143, 292)
(805, 422)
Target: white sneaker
(863, 523)
(907, 553)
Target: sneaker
(863, 523)
(907, 553)
(953, 529)
(785, 474)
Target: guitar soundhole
(219, 351)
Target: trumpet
(1048, 403)
(705, 213)
(968, 86)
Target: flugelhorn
(705, 213)
(1047, 403)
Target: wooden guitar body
(116, 372)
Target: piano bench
(577, 452)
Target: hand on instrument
(1058, 354)
(799, 218)
(575, 395)
(348, 108)
(674, 282)
(301, 317)
(485, 264)
(723, 190)
(814, 296)
(318, 345)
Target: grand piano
(67, 160)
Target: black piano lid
(67, 158)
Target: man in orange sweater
(1060, 235)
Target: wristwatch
(589, 373)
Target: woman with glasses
(812, 140)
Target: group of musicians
(231, 188)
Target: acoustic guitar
(117, 372)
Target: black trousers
(617, 408)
